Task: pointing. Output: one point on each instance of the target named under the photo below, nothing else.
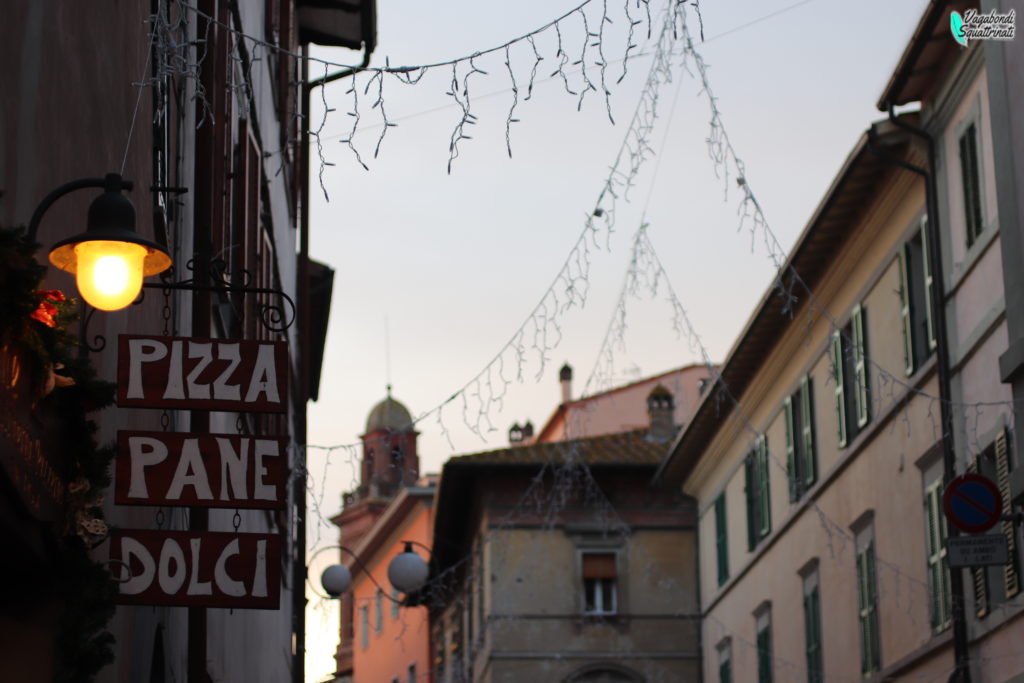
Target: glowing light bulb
(109, 274)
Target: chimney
(528, 432)
(515, 434)
(565, 377)
(660, 407)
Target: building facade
(819, 457)
(199, 105)
(559, 562)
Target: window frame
(867, 602)
(378, 624)
(812, 624)
(598, 585)
(940, 605)
(721, 539)
(801, 447)
(758, 492)
(850, 361)
(915, 293)
(763, 629)
(973, 195)
(724, 649)
(364, 626)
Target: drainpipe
(961, 673)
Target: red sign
(234, 375)
(197, 569)
(201, 470)
(972, 503)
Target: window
(812, 626)
(395, 601)
(759, 521)
(599, 583)
(725, 661)
(763, 619)
(867, 602)
(850, 368)
(940, 602)
(970, 178)
(915, 300)
(800, 451)
(721, 539)
(378, 624)
(412, 673)
(364, 626)
(993, 585)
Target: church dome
(389, 415)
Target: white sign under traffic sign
(977, 550)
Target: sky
(435, 272)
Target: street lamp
(407, 572)
(109, 259)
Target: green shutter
(905, 313)
(929, 325)
(837, 368)
(938, 574)
(764, 655)
(807, 428)
(725, 671)
(812, 633)
(763, 495)
(867, 600)
(860, 353)
(721, 539)
(751, 493)
(793, 475)
(1011, 572)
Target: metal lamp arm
(68, 188)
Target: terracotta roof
(625, 448)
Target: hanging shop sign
(234, 375)
(197, 569)
(30, 452)
(200, 470)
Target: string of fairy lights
(541, 332)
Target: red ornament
(46, 311)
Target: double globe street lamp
(407, 572)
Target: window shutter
(793, 475)
(938, 575)
(812, 634)
(721, 539)
(978, 575)
(860, 352)
(927, 285)
(1011, 572)
(751, 494)
(905, 315)
(599, 566)
(763, 497)
(837, 369)
(807, 426)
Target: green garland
(36, 323)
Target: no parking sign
(972, 503)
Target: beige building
(817, 459)
(559, 562)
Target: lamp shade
(407, 571)
(336, 579)
(110, 259)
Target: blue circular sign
(972, 503)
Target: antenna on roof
(387, 354)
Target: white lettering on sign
(211, 470)
(209, 373)
(142, 351)
(171, 569)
